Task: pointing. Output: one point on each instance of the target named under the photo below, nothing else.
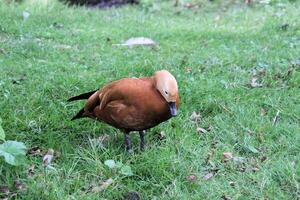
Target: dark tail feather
(78, 115)
(82, 96)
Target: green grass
(222, 47)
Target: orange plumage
(133, 104)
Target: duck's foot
(142, 137)
(128, 144)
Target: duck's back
(130, 104)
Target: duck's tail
(79, 97)
(78, 115)
(82, 96)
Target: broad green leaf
(110, 163)
(119, 164)
(13, 152)
(126, 170)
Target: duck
(132, 104)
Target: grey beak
(173, 109)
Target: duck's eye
(166, 92)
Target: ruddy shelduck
(133, 104)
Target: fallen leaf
(190, 5)
(209, 176)
(56, 25)
(104, 185)
(34, 151)
(18, 80)
(217, 18)
(104, 138)
(255, 169)
(192, 178)
(225, 198)
(263, 158)
(238, 159)
(162, 135)
(30, 171)
(210, 128)
(47, 159)
(132, 196)
(62, 46)
(228, 155)
(138, 41)
(284, 27)
(188, 69)
(201, 130)
(4, 190)
(13, 195)
(290, 71)
(263, 112)
(25, 15)
(19, 185)
(254, 83)
(195, 116)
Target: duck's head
(167, 86)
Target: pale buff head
(166, 84)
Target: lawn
(214, 51)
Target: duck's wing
(116, 90)
(113, 99)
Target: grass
(213, 52)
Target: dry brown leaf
(30, 171)
(228, 155)
(190, 5)
(19, 185)
(34, 151)
(217, 18)
(104, 138)
(263, 158)
(192, 178)
(255, 169)
(133, 196)
(103, 186)
(63, 46)
(254, 83)
(263, 112)
(56, 25)
(188, 69)
(162, 135)
(225, 198)
(4, 190)
(47, 159)
(209, 176)
(195, 116)
(138, 41)
(201, 130)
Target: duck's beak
(173, 109)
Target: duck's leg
(128, 144)
(142, 144)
